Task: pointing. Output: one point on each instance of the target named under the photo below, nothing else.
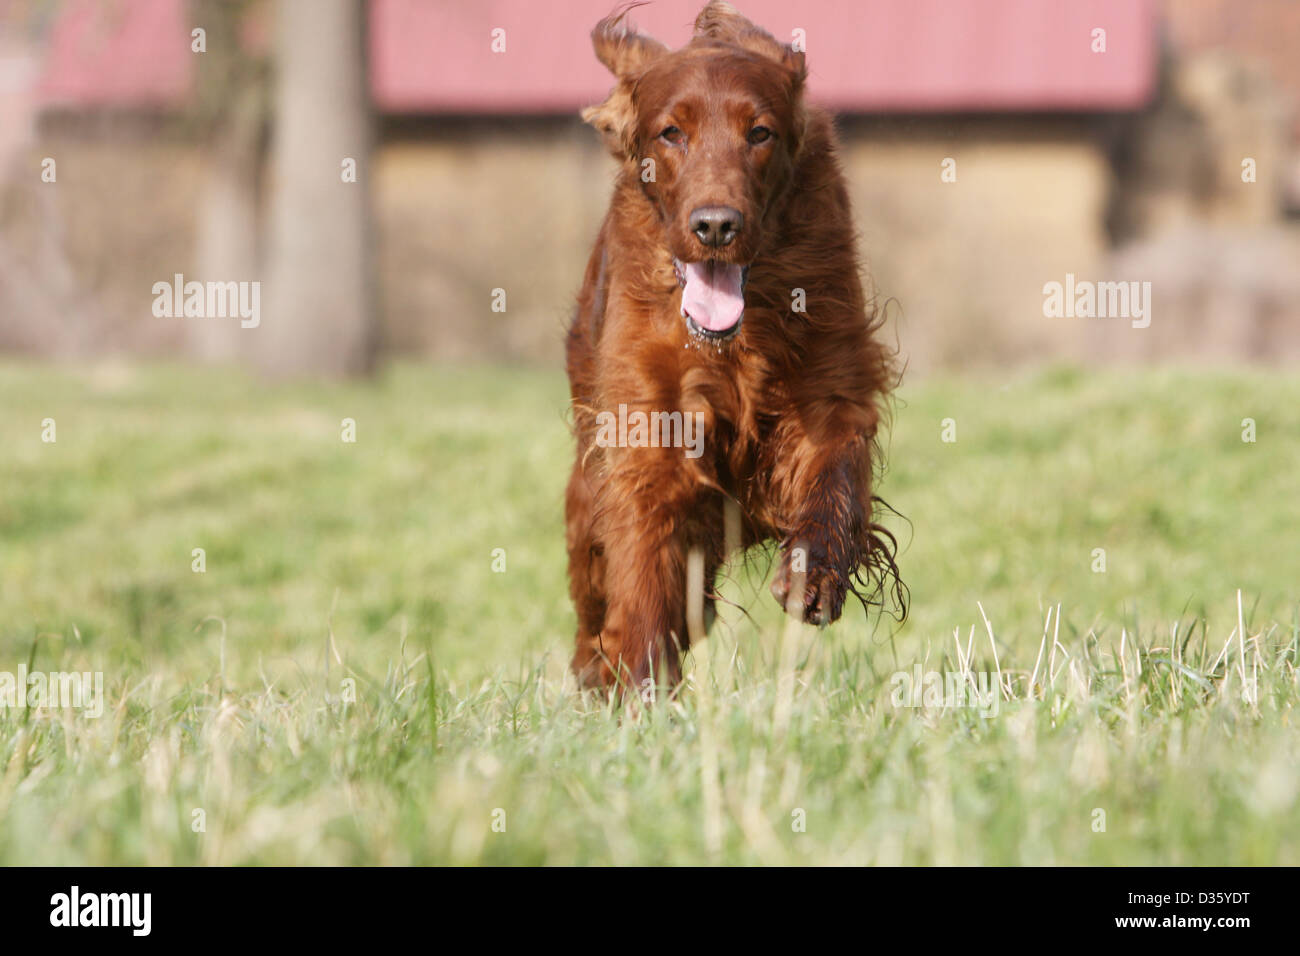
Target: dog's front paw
(824, 587)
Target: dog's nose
(716, 225)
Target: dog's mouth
(713, 297)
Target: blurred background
(233, 523)
(209, 138)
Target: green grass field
(350, 681)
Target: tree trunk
(318, 317)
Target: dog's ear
(626, 54)
(615, 118)
(721, 21)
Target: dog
(723, 292)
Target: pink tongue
(712, 296)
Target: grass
(350, 681)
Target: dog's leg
(647, 606)
(628, 592)
(709, 533)
(644, 512)
(827, 508)
(590, 663)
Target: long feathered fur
(793, 406)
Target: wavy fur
(792, 405)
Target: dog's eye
(671, 134)
(759, 134)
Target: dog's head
(712, 131)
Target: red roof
(863, 55)
(135, 53)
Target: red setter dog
(722, 325)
